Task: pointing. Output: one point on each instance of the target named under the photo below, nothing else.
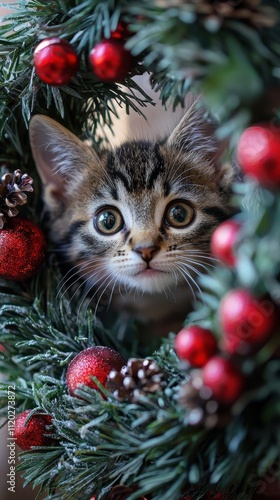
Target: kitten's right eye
(108, 221)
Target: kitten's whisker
(185, 275)
(101, 295)
(114, 280)
(81, 266)
(90, 275)
(78, 274)
(189, 266)
(184, 270)
(88, 290)
(197, 263)
(111, 294)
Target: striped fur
(140, 180)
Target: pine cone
(138, 377)
(215, 12)
(201, 409)
(12, 193)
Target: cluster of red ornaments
(245, 321)
(56, 61)
(97, 361)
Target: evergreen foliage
(150, 443)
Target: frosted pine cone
(200, 407)
(12, 193)
(138, 377)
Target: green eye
(179, 214)
(108, 221)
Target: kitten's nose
(146, 253)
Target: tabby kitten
(138, 218)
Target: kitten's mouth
(149, 271)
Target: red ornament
(195, 345)
(34, 432)
(224, 380)
(96, 362)
(110, 60)
(22, 249)
(258, 153)
(55, 61)
(245, 321)
(223, 241)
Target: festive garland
(199, 417)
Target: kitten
(135, 222)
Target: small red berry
(110, 60)
(223, 241)
(34, 432)
(55, 61)
(258, 153)
(224, 380)
(245, 321)
(95, 361)
(195, 345)
(121, 32)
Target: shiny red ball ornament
(35, 432)
(55, 61)
(258, 153)
(195, 345)
(225, 381)
(95, 361)
(223, 241)
(110, 60)
(22, 249)
(246, 321)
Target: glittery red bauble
(33, 433)
(223, 241)
(96, 362)
(195, 345)
(224, 380)
(110, 60)
(246, 322)
(55, 61)
(22, 249)
(258, 153)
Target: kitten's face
(139, 217)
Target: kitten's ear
(195, 133)
(59, 155)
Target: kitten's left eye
(108, 221)
(179, 214)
